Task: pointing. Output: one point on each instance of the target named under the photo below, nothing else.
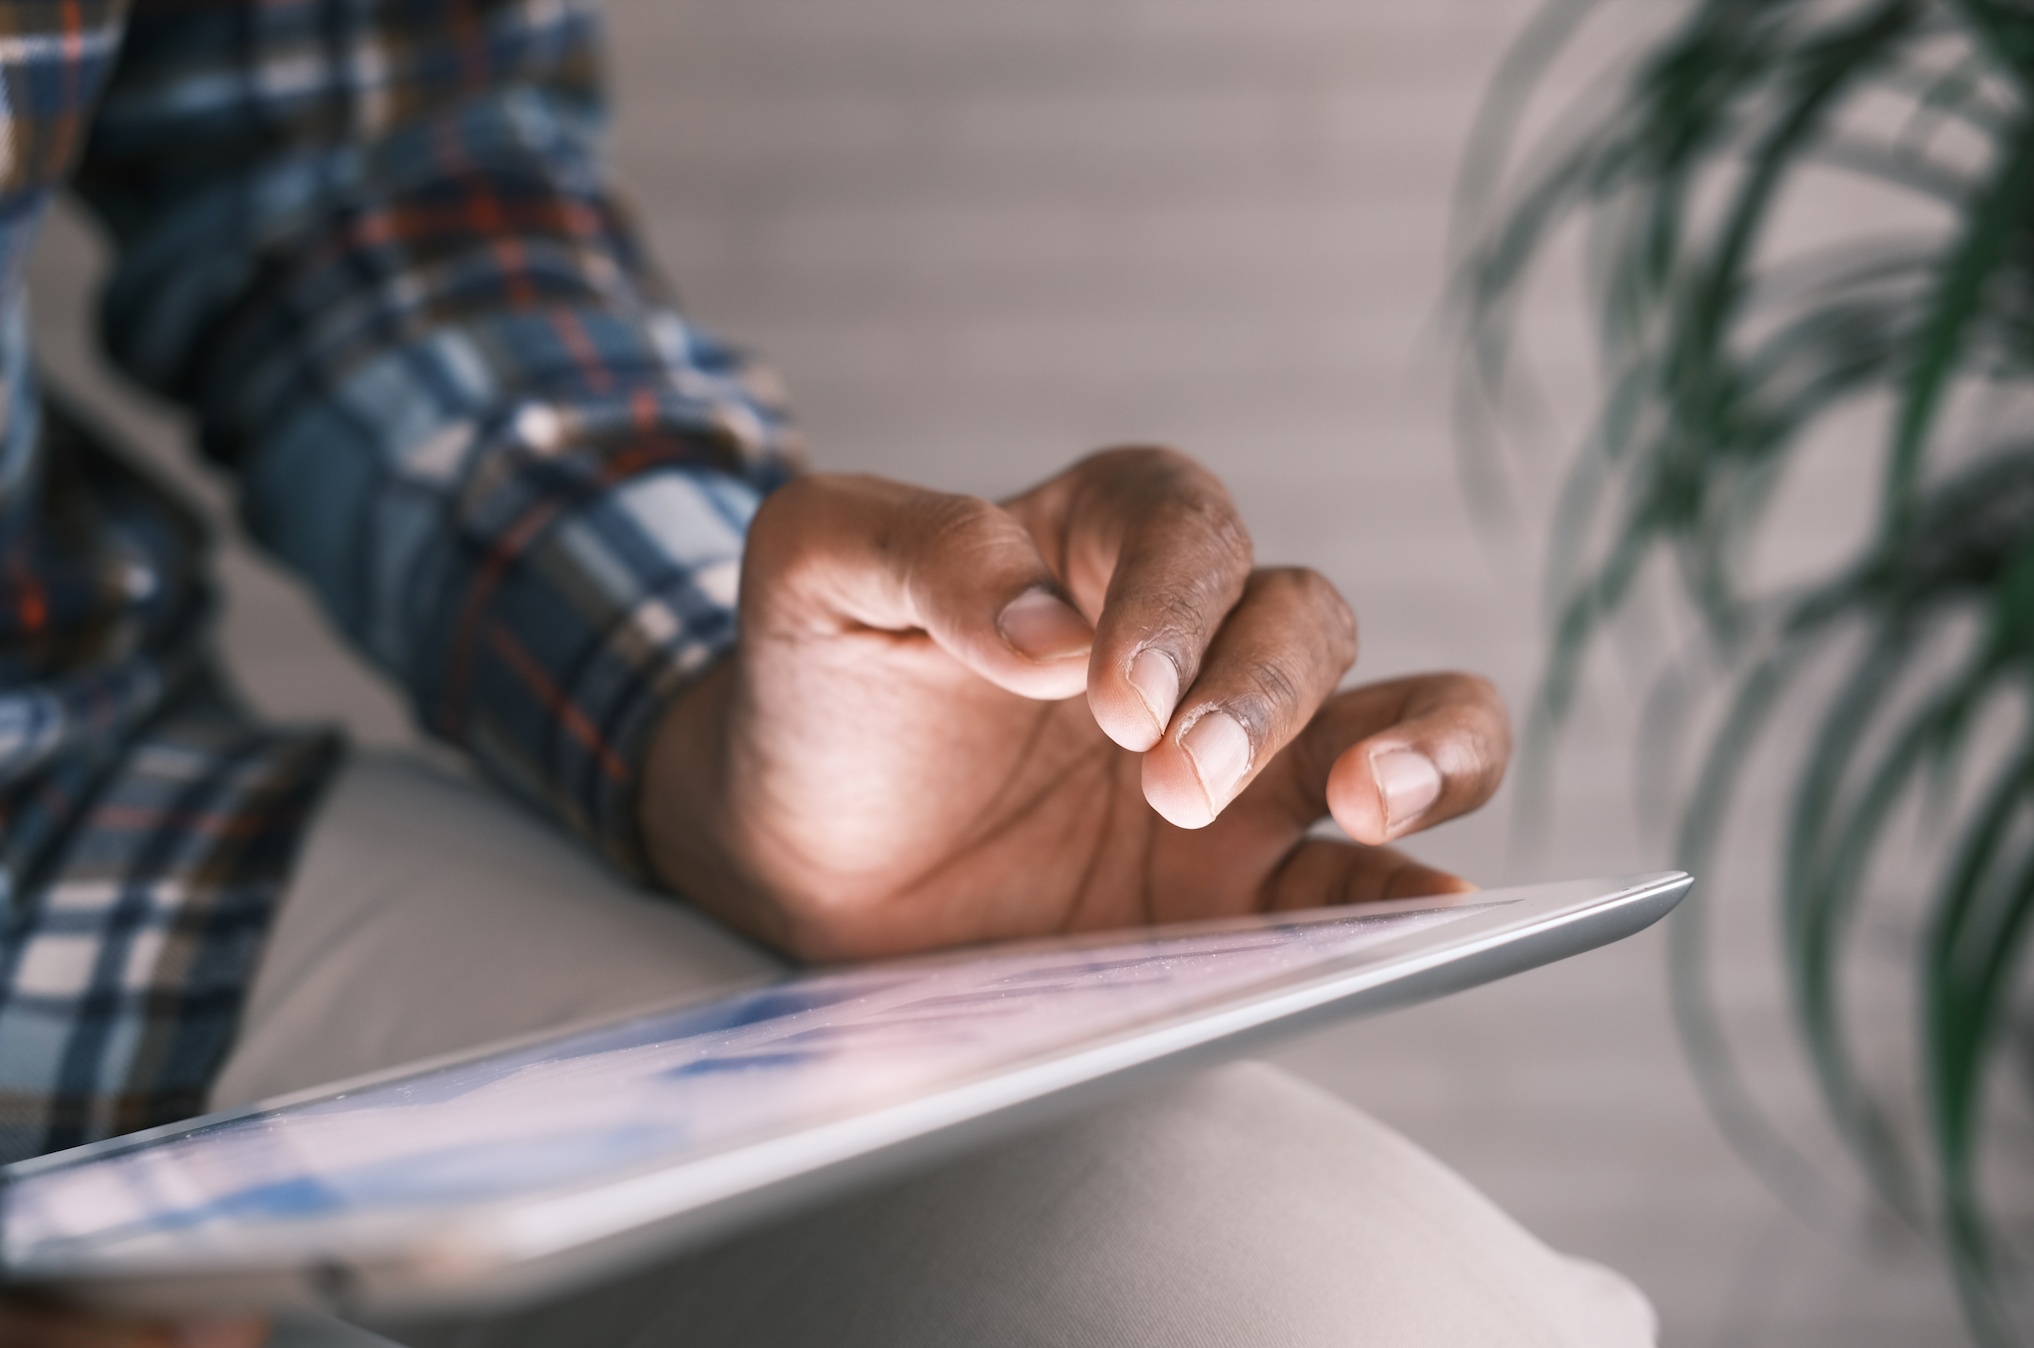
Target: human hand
(28, 1323)
(894, 756)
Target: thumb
(833, 553)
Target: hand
(896, 756)
(27, 1323)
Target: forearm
(458, 399)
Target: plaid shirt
(366, 242)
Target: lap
(1240, 1207)
(429, 914)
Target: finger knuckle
(1477, 747)
(1479, 694)
(807, 506)
(1269, 700)
(1169, 489)
(1307, 595)
(1312, 590)
(1215, 520)
(964, 540)
(950, 522)
(1186, 603)
(1183, 610)
(1276, 685)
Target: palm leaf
(1723, 353)
(1828, 849)
(1998, 215)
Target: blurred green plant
(1723, 351)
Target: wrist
(682, 807)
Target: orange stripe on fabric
(33, 610)
(484, 216)
(621, 464)
(580, 343)
(496, 562)
(555, 702)
(140, 819)
(421, 223)
(31, 598)
(62, 130)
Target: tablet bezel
(501, 1253)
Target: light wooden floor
(981, 236)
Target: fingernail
(1041, 626)
(1407, 782)
(1157, 682)
(1220, 750)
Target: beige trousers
(1243, 1208)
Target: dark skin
(949, 721)
(37, 1324)
(899, 754)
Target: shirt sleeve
(368, 244)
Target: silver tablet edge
(498, 1259)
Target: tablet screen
(669, 1088)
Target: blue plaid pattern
(367, 242)
(118, 1000)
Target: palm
(877, 784)
(945, 810)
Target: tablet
(510, 1174)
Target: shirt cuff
(567, 638)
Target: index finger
(1153, 550)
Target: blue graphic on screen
(667, 1090)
